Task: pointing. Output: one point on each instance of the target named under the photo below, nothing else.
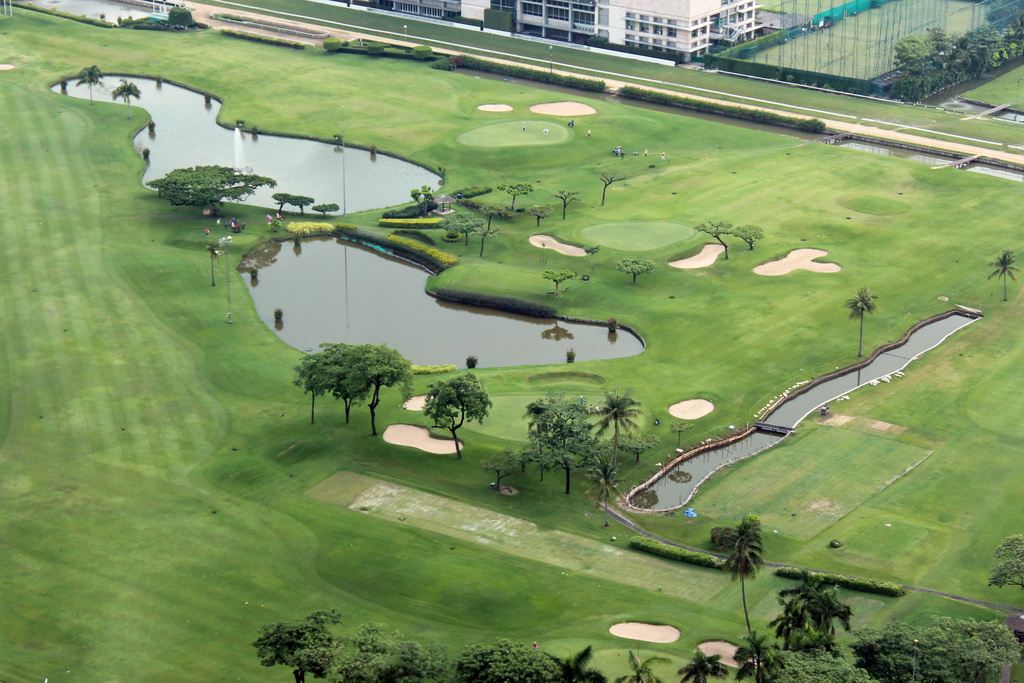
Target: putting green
(511, 134)
(637, 235)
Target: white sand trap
(563, 109)
(6, 67)
(721, 647)
(549, 242)
(650, 633)
(418, 437)
(707, 256)
(691, 409)
(798, 259)
(416, 402)
(495, 107)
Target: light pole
(344, 186)
(913, 676)
(1016, 100)
(405, 30)
(225, 242)
(551, 66)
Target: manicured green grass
(159, 464)
(637, 236)
(516, 134)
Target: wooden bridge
(959, 163)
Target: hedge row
(411, 211)
(649, 545)
(65, 15)
(432, 369)
(470, 62)
(420, 223)
(309, 228)
(602, 43)
(468, 192)
(416, 235)
(501, 303)
(440, 258)
(893, 590)
(406, 247)
(419, 53)
(262, 39)
(736, 112)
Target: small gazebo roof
(445, 199)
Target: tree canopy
(376, 366)
(451, 402)
(505, 661)
(635, 266)
(208, 186)
(307, 646)
(1010, 569)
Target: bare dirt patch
(563, 109)
(881, 426)
(508, 490)
(798, 259)
(707, 256)
(416, 402)
(549, 242)
(721, 647)
(495, 107)
(691, 409)
(825, 506)
(836, 420)
(649, 633)
(418, 437)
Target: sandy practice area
(720, 647)
(495, 107)
(549, 242)
(416, 402)
(650, 633)
(563, 109)
(6, 67)
(418, 437)
(691, 409)
(707, 256)
(798, 259)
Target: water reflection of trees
(261, 257)
(557, 333)
(647, 499)
(680, 477)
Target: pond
(332, 290)
(187, 134)
(107, 10)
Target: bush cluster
(432, 369)
(419, 223)
(413, 211)
(649, 545)
(416, 235)
(470, 62)
(263, 39)
(309, 228)
(468, 192)
(439, 258)
(736, 112)
(501, 303)
(853, 583)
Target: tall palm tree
(810, 585)
(758, 657)
(618, 410)
(745, 556)
(792, 623)
(606, 483)
(863, 302)
(825, 608)
(126, 91)
(702, 668)
(575, 667)
(214, 250)
(90, 76)
(1004, 268)
(642, 671)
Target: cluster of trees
(941, 59)
(284, 199)
(720, 229)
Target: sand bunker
(563, 109)
(418, 437)
(549, 242)
(721, 647)
(650, 633)
(416, 402)
(691, 409)
(707, 256)
(6, 67)
(798, 259)
(495, 107)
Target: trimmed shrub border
(475, 63)
(64, 15)
(269, 25)
(260, 38)
(649, 545)
(854, 583)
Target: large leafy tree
(515, 190)
(90, 76)
(208, 186)
(605, 478)
(619, 411)
(540, 212)
(127, 91)
(749, 234)
(758, 657)
(451, 402)
(345, 382)
(635, 266)
(558, 277)
(463, 223)
(314, 374)
(559, 433)
(307, 646)
(376, 655)
(1004, 268)
(503, 464)
(643, 671)
(376, 366)
(576, 667)
(702, 668)
(745, 556)
(861, 304)
(716, 229)
(820, 667)
(505, 661)
(1010, 569)
(422, 195)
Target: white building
(687, 27)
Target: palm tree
(1004, 267)
(126, 91)
(214, 250)
(703, 668)
(792, 623)
(618, 411)
(863, 302)
(90, 76)
(642, 672)
(606, 483)
(758, 657)
(575, 669)
(825, 608)
(745, 557)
